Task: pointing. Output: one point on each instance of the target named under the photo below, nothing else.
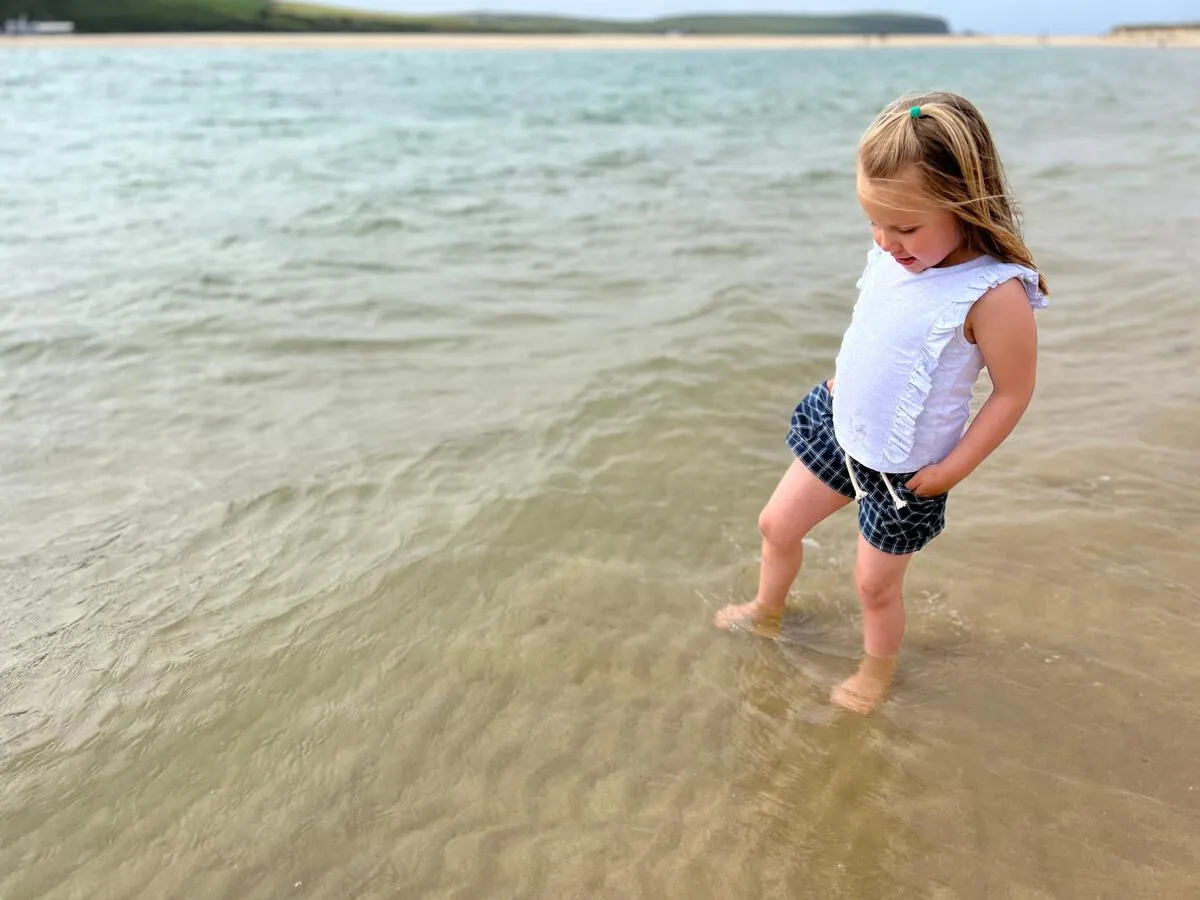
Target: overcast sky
(996, 16)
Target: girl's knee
(876, 591)
(777, 529)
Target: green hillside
(866, 23)
(220, 15)
(270, 15)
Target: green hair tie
(915, 112)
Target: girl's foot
(750, 617)
(863, 691)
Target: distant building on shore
(22, 25)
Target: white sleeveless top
(905, 371)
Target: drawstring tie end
(900, 504)
(860, 494)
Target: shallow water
(381, 430)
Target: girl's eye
(906, 230)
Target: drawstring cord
(859, 493)
(900, 504)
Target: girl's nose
(887, 244)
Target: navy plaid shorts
(891, 530)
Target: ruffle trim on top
(903, 433)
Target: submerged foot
(863, 691)
(749, 617)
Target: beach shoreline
(1186, 38)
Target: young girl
(949, 287)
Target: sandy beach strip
(409, 41)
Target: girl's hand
(829, 384)
(934, 480)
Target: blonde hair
(945, 137)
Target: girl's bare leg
(799, 503)
(879, 578)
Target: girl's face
(919, 234)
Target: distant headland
(1159, 30)
(132, 16)
(279, 23)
